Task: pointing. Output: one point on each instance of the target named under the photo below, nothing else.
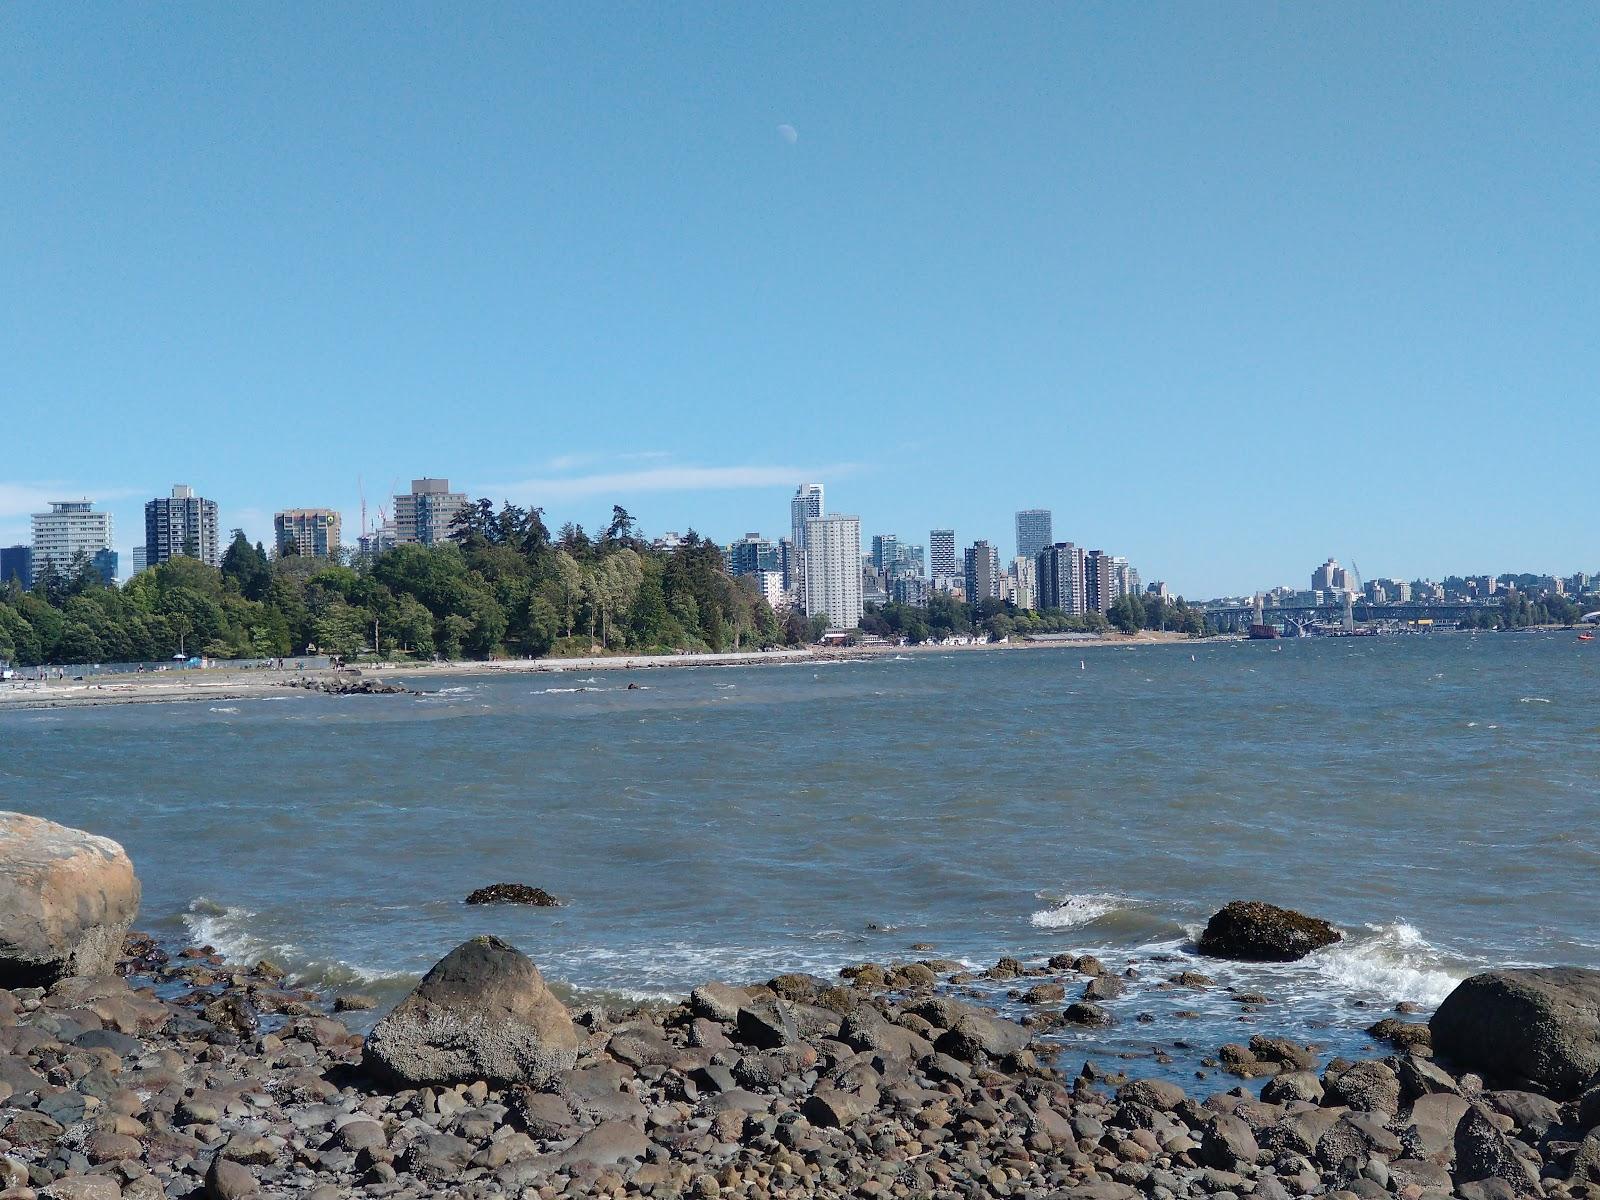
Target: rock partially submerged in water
(1254, 931)
(482, 1013)
(66, 900)
(513, 893)
(1521, 1027)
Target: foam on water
(1392, 961)
(228, 930)
(1073, 910)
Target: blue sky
(1229, 288)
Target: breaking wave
(1073, 910)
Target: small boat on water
(1586, 637)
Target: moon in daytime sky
(789, 134)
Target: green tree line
(503, 585)
(945, 616)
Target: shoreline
(222, 684)
(184, 1074)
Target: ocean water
(1434, 796)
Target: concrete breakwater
(179, 1074)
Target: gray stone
(1227, 1142)
(1484, 1151)
(483, 1012)
(228, 1180)
(1536, 1026)
(66, 900)
(718, 1001)
(608, 1142)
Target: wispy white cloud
(572, 462)
(662, 479)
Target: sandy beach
(82, 688)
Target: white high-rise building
(1025, 571)
(833, 569)
(69, 528)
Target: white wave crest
(1070, 911)
(217, 709)
(227, 929)
(1392, 961)
(1533, 700)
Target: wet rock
(483, 1012)
(66, 900)
(1524, 1026)
(1401, 1034)
(1103, 987)
(1291, 1086)
(1083, 1012)
(354, 1002)
(1253, 931)
(513, 893)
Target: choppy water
(1434, 796)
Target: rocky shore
(182, 1075)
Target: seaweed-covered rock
(1254, 931)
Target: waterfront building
(181, 523)
(772, 589)
(310, 532)
(140, 559)
(1033, 532)
(1158, 589)
(16, 562)
(1059, 578)
(422, 516)
(751, 554)
(69, 529)
(105, 564)
(982, 574)
(1025, 576)
(832, 564)
(942, 554)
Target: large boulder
(1537, 1027)
(1254, 931)
(483, 1012)
(66, 900)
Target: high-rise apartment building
(422, 516)
(69, 529)
(885, 552)
(1099, 581)
(982, 574)
(141, 560)
(1033, 532)
(1322, 579)
(309, 532)
(942, 554)
(832, 561)
(181, 523)
(1025, 572)
(751, 554)
(1059, 578)
(16, 562)
(805, 504)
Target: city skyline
(1223, 290)
(129, 552)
